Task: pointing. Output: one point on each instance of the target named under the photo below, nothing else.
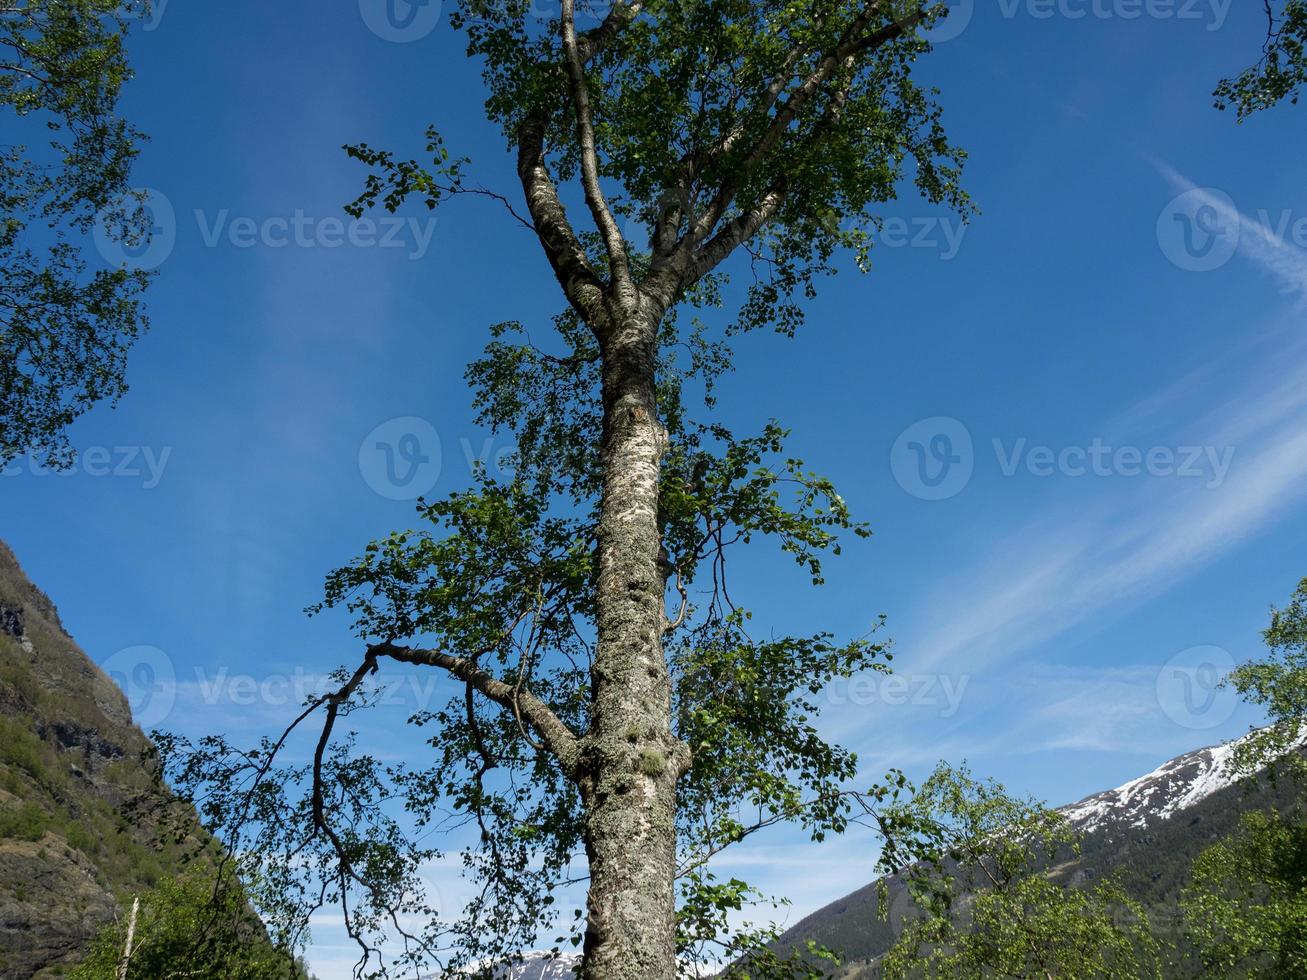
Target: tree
(1246, 909)
(188, 928)
(986, 902)
(1277, 683)
(64, 332)
(587, 716)
(1282, 68)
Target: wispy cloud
(1066, 566)
(1260, 238)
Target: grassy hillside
(72, 847)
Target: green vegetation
(64, 332)
(1247, 906)
(1280, 72)
(984, 900)
(190, 927)
(992, 896)
(33, 772)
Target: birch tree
(614, 720)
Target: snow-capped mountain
(542, 966)
(1177, 785)
(1148, 830)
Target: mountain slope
(71, 847)
(1148, 830)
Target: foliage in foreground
(985, 902)
(192, 927)
(1280, 72)
(1247, 906)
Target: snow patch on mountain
(1171, 787)
(541, 966)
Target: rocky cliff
(74, 843)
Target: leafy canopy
(64, 332)
(1280, 72)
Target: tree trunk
(630, 759)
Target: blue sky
(1109, 362)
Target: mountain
(541, 966)
(1148, 830)
(74, 843)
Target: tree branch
(557, 737)
(854, 41)
(593, 41)
(582, 287)
(585, 139)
